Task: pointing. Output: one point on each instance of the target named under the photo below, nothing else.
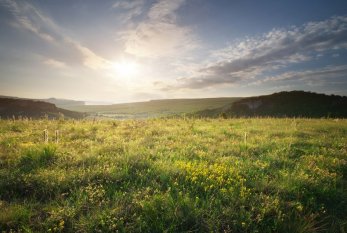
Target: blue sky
(134, 50)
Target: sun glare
(126, 68)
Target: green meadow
(174, 175)
(153, 108)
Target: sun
(126, 68)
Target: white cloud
(319, 74)
(160, 35)
(128, 4)
(28, 17)
(130, 9)
(54, 63)
(164, 10)
(90, 59)
(22, 19)
(276, 49)
(158, 39)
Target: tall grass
(174, 175)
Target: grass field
(174, 175)
(154, 108)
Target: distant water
(97, 103)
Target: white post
(57, 136)
(45, 136)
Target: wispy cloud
(159, 35)
(164, 10)
(90, 59)
(54, 63)
(20, 12)
(30, 18)
(130, 9)
(320, 74)
(125, 4)
(276, 49)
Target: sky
(135, 50)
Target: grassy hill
(16, 107)
(174, 175)
(60, 103)
(63, 103)
(284, 104)
(154, 108)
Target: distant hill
(63, 103)
(284, 104)
(60, 103)
(10, 107)
(154, 108)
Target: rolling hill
(63, 103)
(60, 103)
(154, 108)
(284, 104)
(16, 107)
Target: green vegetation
(11, 108)
(153, 108)
(283, 104)
(174, 175)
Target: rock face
(10, 107)
(253, 105)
